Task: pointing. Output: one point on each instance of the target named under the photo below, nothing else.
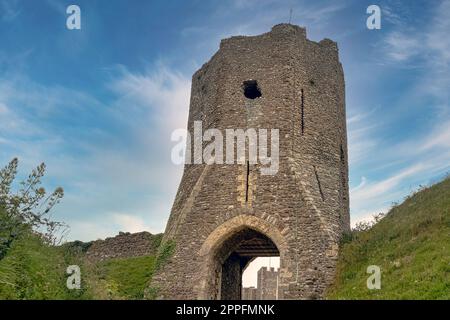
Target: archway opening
(234, 256)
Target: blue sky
(98, 105)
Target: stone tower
(225, 215)
(267, 284)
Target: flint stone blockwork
(250, 293)
(124, 245)
(218, 223)
(267, 284)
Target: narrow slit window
(343, 166)
(247, 182)
(302, 111)
(318, 184)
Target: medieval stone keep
(225, 215)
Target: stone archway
(230, 248)
(236, 253)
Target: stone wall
(304, 208)
(267, 281)
(124, 245)
(250, 293)
(267, 284)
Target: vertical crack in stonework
(302, 111)
(247, 182)
(318, 183)
(343, 179)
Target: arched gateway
(227, 213)
(229, 249)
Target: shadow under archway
(234, 255)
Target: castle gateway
(225, 215)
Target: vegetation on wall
(165, 251)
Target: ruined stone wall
(124, 245)
(250, 293)
(267, 284)
(304, 207)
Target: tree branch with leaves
(28, 208)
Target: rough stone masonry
(124, 245)
(224, 216)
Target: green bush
(34, 270)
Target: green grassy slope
(32, 270)
(411, 245)
(120, 278)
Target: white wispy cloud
(439, 138)
(249, 18)
(401, 46)
(362, 137)
(130, 223)
(243, 4)
(381, 188)
(413, 159)
(9, 10)
(360, 185)
(152, 104)
(3, 109)
(120, 177)
(164, 91)
(430, 42)
(372, 197)
(368, 215)
(391, 14)
(109, 158)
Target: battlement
(283, 30)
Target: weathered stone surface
(124, 245)
(267, 284)
(303, 209)
(250, 293)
